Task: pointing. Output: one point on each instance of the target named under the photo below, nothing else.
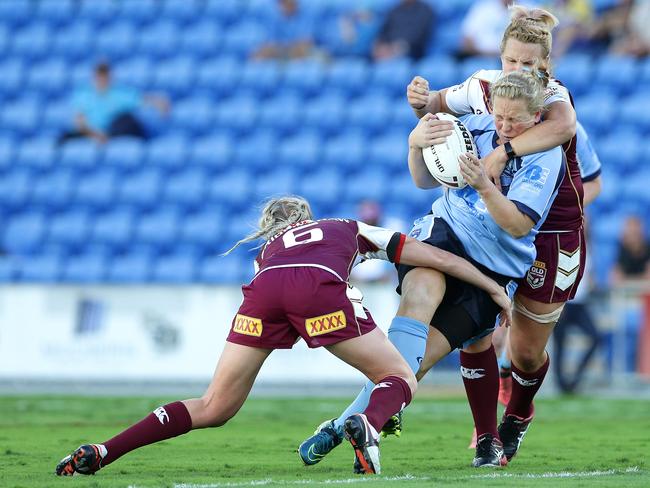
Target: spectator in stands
(353, 32)
(405, 31)
(574, 30)
(633, 262)
(635, 37)
(290, 34)
(104, 110)
(483, 28)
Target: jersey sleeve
(555, 92)
(588, 160)
(379, 243)
(535, 185)
(459, 97)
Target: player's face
(512, 118)
(518, 56)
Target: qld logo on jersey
(247, 325)
(536, 275)
(324, 324)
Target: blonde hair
(520, 85)
(531, 26)
(277, 214)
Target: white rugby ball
(442, 159)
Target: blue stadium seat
(305, 77)
(348, 151)
(281, 113)
(323, 188)
(8, 148)
(58, 116)
(280, 181)
(244, 38)
(616, 73)
(219, 75)
(15, 12)
(183, 11)
(224, 12)
(113, 228)
(53, 189)
(368, 184)
(325, 114)
(4, 38)
(179, 268)
(440, 71)
(85, 268)
(15, 188)
(186, 187)
(389, 151)
(98, 10)
(124, 152)
(70, 229)
(135, 72)
(169, 151)
(39, 269)
(445, 39)
(261, 77)
(403, 189)
(403, 118)
(74, 41)
(213, 151)
(97, 189)
(194, 114)
(203, 228)
(224, 270)
(159, 228)
(369, 114)
(32, 42)
(141, 188)
(24, 232)
(202, 39)
(635, 110)
(142, 11)
(621, 149)
(13, 73)
(238, 114)
(391, 76)
(175, 76)
(8, 268)
(350, 75)
(130, 268)
(260, 155)
(49, 77)
(37, 152)
(21, 116)
(301, 151)
(160, 39)
(575, 71)
(232, 188)
(116, 40)
(596, 112)
(79, 153)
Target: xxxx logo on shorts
(247, 325)
(325, 323)
(536, 274)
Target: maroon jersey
(334, 245)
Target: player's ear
(538, 116)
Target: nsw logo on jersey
(325, 323)
(535, 178)
(247, 325)
(536, 275)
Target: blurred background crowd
(137, 137)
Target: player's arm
(424, 101)
(505, 212)
(427, 132)
(592, 189)
(589, 163)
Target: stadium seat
(159, 228)
(349, 75)
(202, 39)
(58, 117)
(221, 76)
(615, 73)
(21, 116)
(79, 153)
(440, 71)
(75, 41)
(224, 270)
(403, 118)
(142, 11)
(37, 153)
(8, 269)
(49, 77)
(445, 39)
(15, 12)
(391, 76)
(181, 12)
(325, 113)
(70, 228)
(575, 71)
(142, 188)
(244, 38)
(325, 187)
(38, 269)
(53, 189)
(172, 268)
(389, 151)
(136, 72)
(8, 148)
(281, 113)
(98, 11)
(261, 77)
(130, 268)
(238, 114)
(186, 188)
(194, 114)
(159, 40)
(23, 233)
(302, 151)
(13, 75)
(368, 184)
(84, 268)
(596, 111)
(32, 42)
(113, 228)
(213, 151)
(117, 40)
(347, 151)
(232, 188)
(635, 111)
(402, 187)
(260, 153)
(223, 12)
(280, 181)
(97, 189)
(168, 151)
(175, 76)
(304, 77)
(203, 228)
(125, 153)
(369, 114)
(15, 188)
(620, 150)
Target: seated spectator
(104, 110)
(483, 27)
(633, 262)
(405, 31)
(352, 33)
(574, 30)
(635, 37)
(290, 34)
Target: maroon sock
(165, 422)
(480, 373)
(388, 397)
(524, 389)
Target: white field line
(559, 474)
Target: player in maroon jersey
(301, 290)
(554, 277)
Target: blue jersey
(587, 157)
(530, 182)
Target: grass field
(573, 442)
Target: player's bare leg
(233, 378)
(528, 339)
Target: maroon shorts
(281, 305)
(556, 273)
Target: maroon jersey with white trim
(335, 245)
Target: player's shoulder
(550, 156)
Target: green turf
(607, 441)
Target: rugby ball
(442, 159)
